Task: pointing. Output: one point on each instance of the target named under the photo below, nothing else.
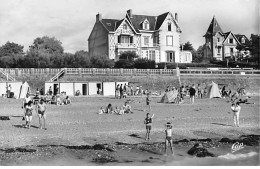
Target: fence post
(93, 71)
(148, 71)
(32, 71)
(108, 71)
(79, 71)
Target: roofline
(129, 24)
(233, 36)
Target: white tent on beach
(25, 88)
(213, 90)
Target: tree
(128, 55)
(187, 46)
(198, 55)
(48, 45)
(101, 62)
(11, 49)
(255, 48)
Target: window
(242, 40)
(146, 40)
(231, 50)
(152, 55)
(231, 41)
(125, 39)
(169, 27)
(147, 54)
(170, 57)
(125, 27)
(218, 39)
(156, 40)
(169, 40)
(219, 50)
(146, 25)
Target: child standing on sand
(28, 114)
(41, 108)
(168, 139)
(148, 125)
(148, 101)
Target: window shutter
(118, 39)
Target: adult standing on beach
(25, 102)
(9, 88)
(192, 92)
(121, 91)
(236, 111)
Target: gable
(230, 35)
(125, 27)
(169, 19)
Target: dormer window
(243, 40)
(169, 27)
(231, 40)
(146, 25)
(125, 27)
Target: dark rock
(4, 118)
(205, 140)
(226, 140)
(25, 150)
(103, 159)
(146, 161)
(199, 151)
(183, 141)
(10, 150)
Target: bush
(233, 64)
(101, 62)
(144, 64)
(186, 65)
(124, 64)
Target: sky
(71, 21)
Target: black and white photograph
(132, 83)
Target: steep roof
(160, 20)
(138, 19)
(239, 37)
(214, 27)
(110, 24)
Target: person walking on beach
(236, 111)
(192, 94)
(25, 102)
(28, 114)
(121, 91)
(9, 88)
(148, 125)
(168, 138)
(41, 108)
(199, 91)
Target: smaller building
(186, 57)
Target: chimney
(98, 17)
(176, 16)
(130, 13)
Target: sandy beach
(79, 124)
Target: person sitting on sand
(117, 110)
(109, 109)
(127, 108)
(28, 114)
(101, 110)
(234, 97)
(148, 125)
(168, 138)
(58, 101)
(67, 100)
(41, 108)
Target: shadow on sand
(220, 124)
(23, 126)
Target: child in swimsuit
(41, 108)
(148, 100)
(28, 114)
(148, 125)
(168, 139)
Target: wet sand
(79, 124)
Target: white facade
(186, 57)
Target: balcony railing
(126, 45)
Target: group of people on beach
(125, 109)
(40, 109)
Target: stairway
(59, 75)
(7, 76)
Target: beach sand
(79, 124)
